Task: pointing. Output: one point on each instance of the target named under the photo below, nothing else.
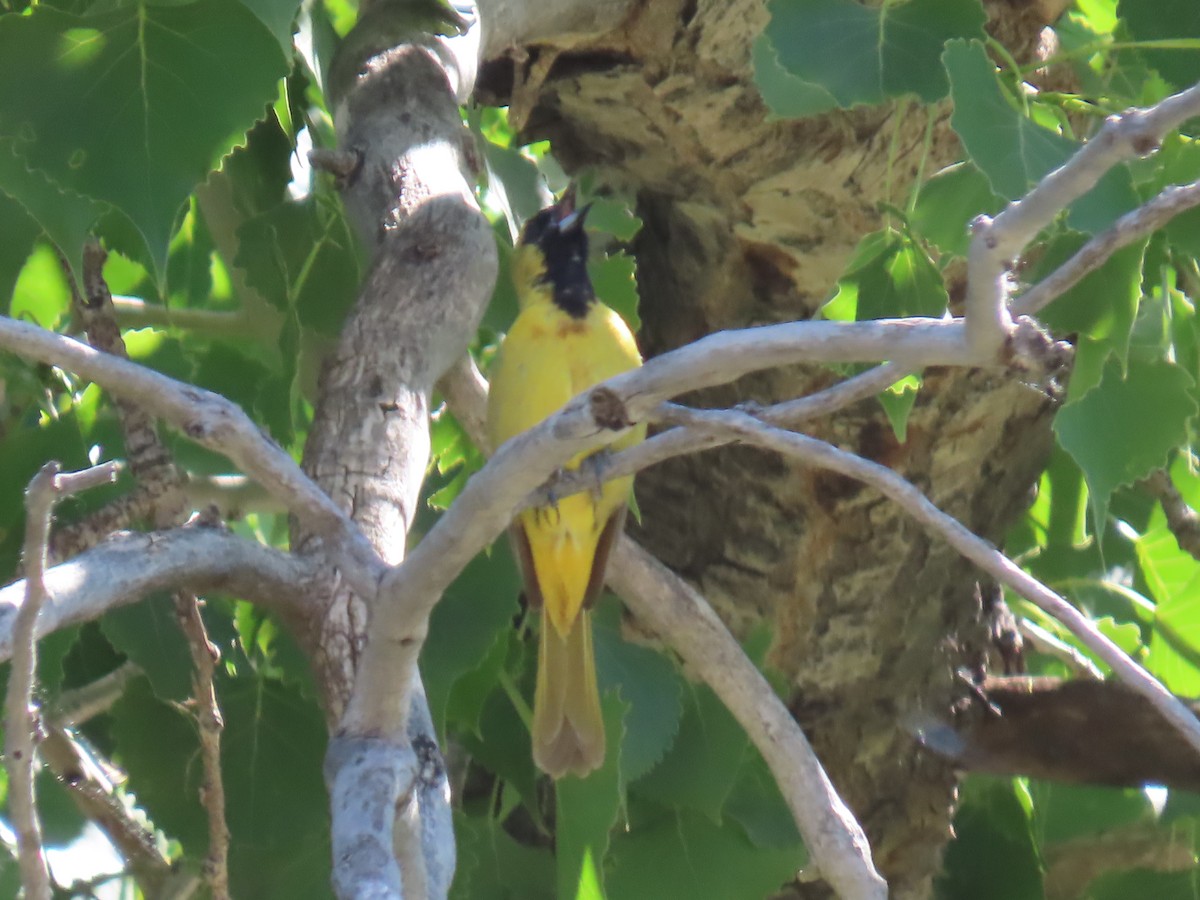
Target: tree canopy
(885, 179)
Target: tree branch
(688, 624)
(1181, 518)
(974, 548)
(995, 243)
(212, 421)
(681, 616)
(1138, 223)
(21, 725)
(94, 796)
(127, 567)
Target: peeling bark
(750, 221)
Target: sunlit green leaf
(1125, 426)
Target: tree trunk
(750, 221)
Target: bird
(564, 340)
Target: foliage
(170, 129)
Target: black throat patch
(566, 253)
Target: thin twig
(1138, 223)
(971, 546)
(1181, 518)
(78, 705)
(205, 657)
(21, 719)
(151, 463)
(95, 797)
(1045, 642)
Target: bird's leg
(595, 466)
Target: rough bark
(749, 221)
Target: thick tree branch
(129, 566)
(433, 267)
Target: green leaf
(888, 276)
(155, 743)
(279, 16)
(615, 279)
(1125, 427)
(652, 687)
(1103, 305)
(134, 106)
(1066, 811)
(683, 854)
(1012, 151)
(586, 810)
(41, 294)
(18, 233)
(861, 54)
(947, 204)
(788, 96)
(897, 402)
(272, 751)
(148, 633)
(994, 855)
(66, 217)
(302, 256)
(699, 770)
(504, 747)
(1174, 580)
(756, 804)
(493, 866)
(474, 612)
(1155, 20)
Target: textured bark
(749, 221)
(433, 267)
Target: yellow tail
(568, 728)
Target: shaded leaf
(115, 105)
(861, 54)
(683, 854)
(1012, 151)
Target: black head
(558, 232)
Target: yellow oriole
(563, 341)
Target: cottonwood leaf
(684, 854)
(133, 106)
(1125, 426)
(1012, 151)
(863, 54)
